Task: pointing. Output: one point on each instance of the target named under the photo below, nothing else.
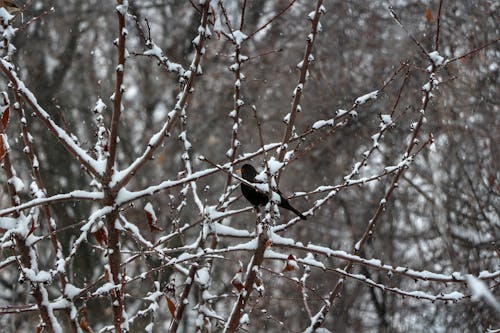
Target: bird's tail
(285, 204)
(299, 214)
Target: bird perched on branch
(258, 198)
(10, 6)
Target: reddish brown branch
(302, 80)
(257, 259)
(118, 94)
(438, 26)
(476, 50)
(271, 20)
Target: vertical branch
(303, 287)
(187, 162)
(181, 304)
(114, 259)
(121, 11)
(304, 66)
(243, 8)
(438, 26)
(114, 254)
(190, 280)
(237, 101)
(195, 68)
(251, 276)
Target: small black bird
(258, 198)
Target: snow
(311, 15)
(122, 9)
(76, 195)
(455, 295)
(251, 245)
(182, 257)
(404, 163)
(214, 5)
(22, 228)
(31, 239)
(322, 123)
(17, 183)
(50, 309)
(154, 296)
(37, 277)
(488, 275)
(286, 118)
(202, 277)
(279, 240)
(132, 228)
(223, 230)
(9, 32)
(5, 17)
(436, 58)
(196, 40)
(71, 291)
(340, 112)
(149, 208)
(386, 118)
(365, 98)
(289, 155)
(244, 320)
(375, 138)
(274, 166)
(311, 261)
(239, 37)
(234, 67)
(106, 288)
(212, 213)
(154, 51)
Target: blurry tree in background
(123, 125)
